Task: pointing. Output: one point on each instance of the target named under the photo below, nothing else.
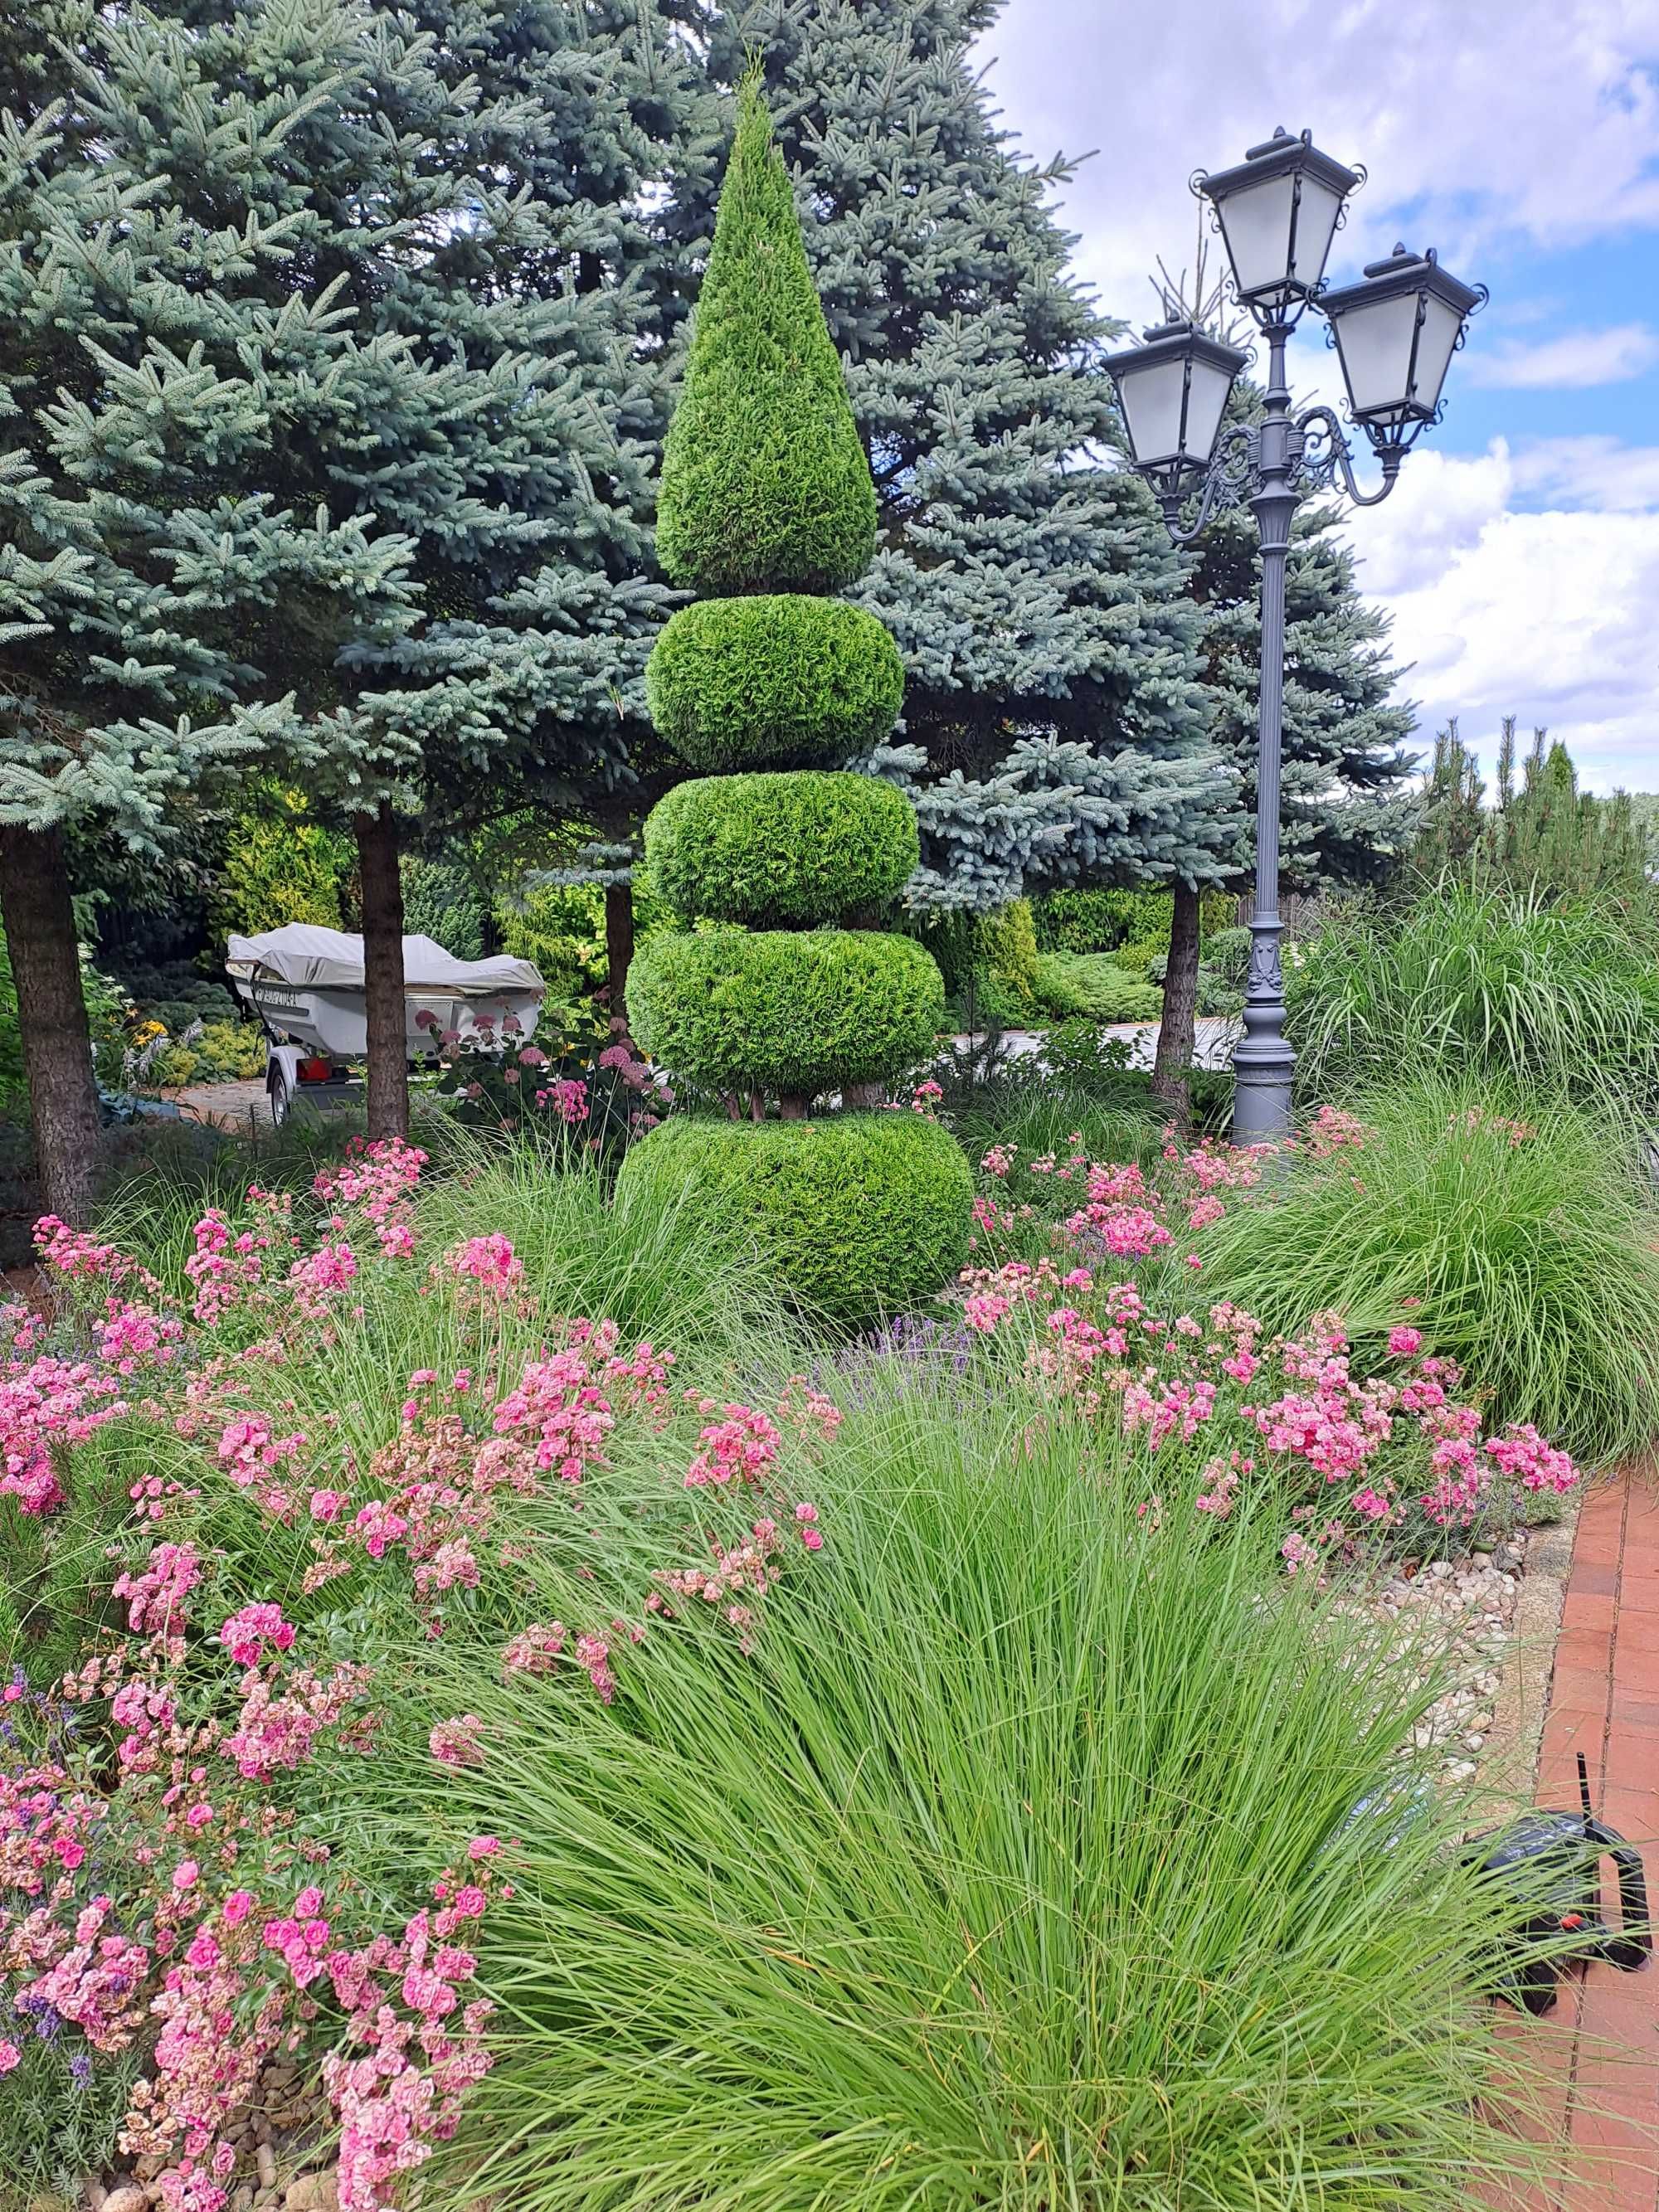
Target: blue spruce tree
(148, 554)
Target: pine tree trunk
(619, 944)
(1178, 1027)
(52, 1014)
(383, 973)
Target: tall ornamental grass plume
(1521, 1241)
(1485, 980)
(1033, 1845)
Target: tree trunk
(619, 944)
(52, 1014)
(1177, 1029)
(383, 973)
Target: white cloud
(1581, 359)
(1543, 613)
(1480, 121)
(1589, 471)
(1522, 581)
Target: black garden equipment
(1552, 1862)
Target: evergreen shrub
(1139, 956)
(1007, 945)
(861, 1213)
(1100, 920)
(767, 848)
(279, 867)
(776, 679)
(1227, 952)
(442, 901)
(793, 1011)
(765, 486)
(1093, 984)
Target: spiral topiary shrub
(765, 486)
(765, 849)
(766, 496)
(861, 1214)
(796, 1011)
(779, 678)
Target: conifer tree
(433, 353)
(143, 552)
(1452, 812)
(766, 501)
(1053, 728)
(1549, 836)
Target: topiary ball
(862, 1214)
(781, 679)
(802, 847)
(765, 486)
(794, 1012)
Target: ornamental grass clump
(1498, 985)
(1520, 1238)
(767, 501)
(246, 1493)
(1038, 1851)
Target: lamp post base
(1263, 1063)
(1261, 1094)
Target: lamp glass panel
(1441, 324)
(1205, 405)
(1375, 340)
(1255, 221)
(1151, 408)
(1316, 227)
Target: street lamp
(1395, 334)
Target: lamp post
(1394, 333)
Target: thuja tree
(144, 549)
(763, 684)
(1053, 726)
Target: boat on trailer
(304, 985)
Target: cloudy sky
(1520, 554)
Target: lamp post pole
(1395, 334)
(1263, 1062)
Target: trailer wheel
(277, 1091)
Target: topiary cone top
(765, 486)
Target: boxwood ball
(806, 846)
(861, 1214)
(796, 1011)
(779, 680)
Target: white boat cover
(309, 957)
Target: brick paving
(1600, 2047)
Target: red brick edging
(1600, 2047)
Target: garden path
(1600, 2045)
(1213, 1039)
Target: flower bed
(314, 1514)
(170, 1887)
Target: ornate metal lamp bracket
(1232, 475)
(1320, 455)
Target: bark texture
(383, 973)
(618, 943)
(45, 967)
(1179, 1026)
